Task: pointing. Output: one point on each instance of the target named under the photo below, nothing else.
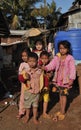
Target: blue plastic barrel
(74, 37)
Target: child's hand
(39, 67)
(54, 89)
(27, 76)
(70, 83)
(49, 74)
(43, 67)
(45, 88)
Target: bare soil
(72, 121)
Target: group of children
(35, 73)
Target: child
(23, 66)
(39, 47)
(65, 74)
(31, 97)
(44, 58)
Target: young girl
(23, 66)
(31, 96)
(39, 47)
(65, 74)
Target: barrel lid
(74, 32)
(71, 32)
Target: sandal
(55, 118)
(58, 113)
(61, 117)
(47, 116)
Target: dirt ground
(72, 120)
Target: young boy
(44, 60)
(31, 96)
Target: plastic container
(74, 37)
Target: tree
(18, 12)
(49, 13)
(22, 14)
(53, 15)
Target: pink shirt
(60, 74)
(64, 70)
(35, 80)
(22, 66)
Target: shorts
(30, 99)
(44, 96)
(62, 90)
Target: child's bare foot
(25, 119)
(19, 116)
(36, 121)
(47, 116)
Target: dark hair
(33, 55)
(67, 45)
(41, 42)
(44, 53)
(27, 50)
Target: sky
(64, 4)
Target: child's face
(24, 56)
(44, 59)
(32, 62)
(39, 46)
(63, 50)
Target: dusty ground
(72, 120)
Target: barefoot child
(31, 97)
(65, 74)
(23, 66)
(44, 95)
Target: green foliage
(23, 14)
(18, 12)
(49, 13)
